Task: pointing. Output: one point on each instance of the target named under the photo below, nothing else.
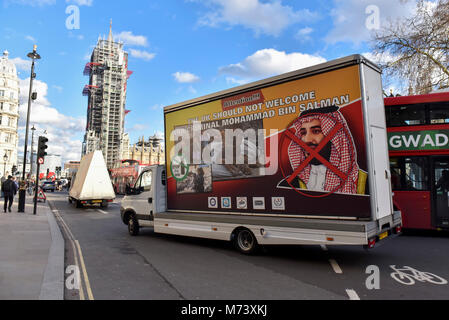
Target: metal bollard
(22, 197)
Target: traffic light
(41, 153)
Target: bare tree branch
(418, 47)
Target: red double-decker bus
(124, 174)
(418, 137)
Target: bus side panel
(415, 207)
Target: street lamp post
(31, 153)
(5, 158)
(22, 193)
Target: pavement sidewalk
(31, 254)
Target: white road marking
(408, 276)
(352, 294)
(335, 266)
(103, 212)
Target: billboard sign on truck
(295, 148)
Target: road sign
(41, 195)
(41, 160)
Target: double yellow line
(77, 253)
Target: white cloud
(128, 38)
(30, 38)
(22, 64)
(232, 81)
(380, 58)
(185, 77)
(81, 2)
(62, 130)
(269, 17)
(269, 62)
(139, 54)
(304, 34)
(350, 18)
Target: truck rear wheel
(245, 241)
(78, 204)
(133, 226)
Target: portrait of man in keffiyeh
(312, 127)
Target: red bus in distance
(418, 138)
(125, 174)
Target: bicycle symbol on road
(408, 275)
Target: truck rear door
(143, 200)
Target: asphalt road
(116, 266)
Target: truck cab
(144, 199)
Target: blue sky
(179, 50)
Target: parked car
(49, 186)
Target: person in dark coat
(9, 189)
(199, 181)
(443, 183)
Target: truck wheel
(104, 204)
(245, 241)
(70, 200)
(133, 226)
(78, 204)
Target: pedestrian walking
(9, 189)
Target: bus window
(439, 113)
(407, 115)
(415, 176)
(442, 178)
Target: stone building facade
(149, 151)
(9, 115)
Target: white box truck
(92, 185)
(299, 158)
